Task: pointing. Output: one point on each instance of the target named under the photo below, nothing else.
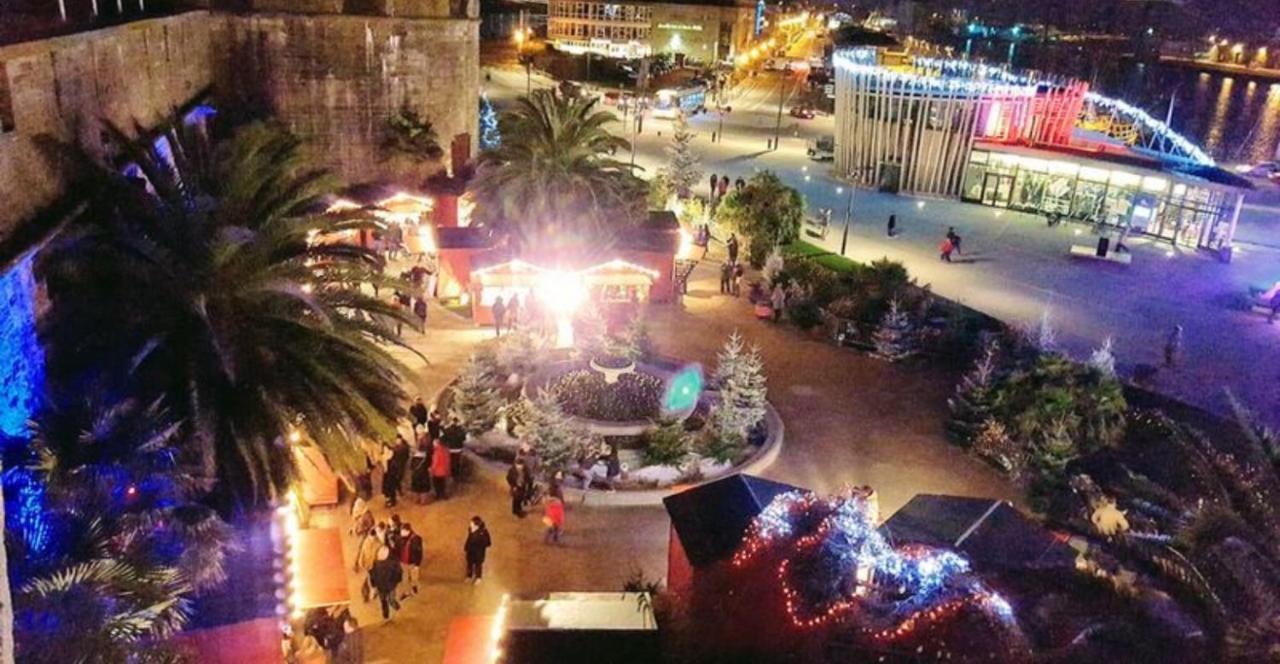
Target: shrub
(974, 402)
(993, 443)
(667, 445)
(1055, 394)
(584, 393)
(805, 314)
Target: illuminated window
(1154, 184)
(1122, 179)
(1094, 174)
(1063, 168)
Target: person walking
(435, 425)
(954, 237)
(739, 184)
(367, 555)
(779, 301)
(420, 469)
(732, 246)
(945, 249)
(420, 310)
(892, 228)
(385, 578)
(518, 481)
(1173, 347)
(738, 273)
(553, 519)
(440, 462)
(455, 438)
(418, 414)
(726, 274)
(393, 477)
(475, 547)
(724, 186)
(499, 313)
(351, 650)
(410, 558)
(712, 188)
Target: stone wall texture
(66, 87)
(334, 79)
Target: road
(1014, 267)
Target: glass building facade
(1181, 209)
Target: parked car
(822, 149)
(803, 111)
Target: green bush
(667, 445)
(805, 314)
(584, 393)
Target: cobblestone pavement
(850, 420)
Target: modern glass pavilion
(1050, 146)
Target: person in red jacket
(553, 519)
(440, 465)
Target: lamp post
(520, 37)
(848, 219)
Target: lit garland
(932, 583)
(490, 137)
(982, 79)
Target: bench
(1086, 251)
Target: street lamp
(520, 37)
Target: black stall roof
(991, 533)
(711, 519)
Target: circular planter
(663, 371)
(611, 374)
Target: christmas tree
(974, 399)
(1103, 359)
(475, 402)
(682, 171)
(557, 438)
(993, 442)
(740, 378)
(895, 339)
(490, 139)
(637, 344)
(590, 332)
(666, 445)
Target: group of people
(430, 462)
(719, 187)
(509, 313)
(422, 281)
(525, 491)
(731, 271)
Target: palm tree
(553, 178)
(206, 282)
(410, 137)
(118, 542)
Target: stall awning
(317, 480)
(258, 641)
(321, 572)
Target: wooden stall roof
(322, 578)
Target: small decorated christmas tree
(895, 339)
(637, 344)
(994, 443)
(974, 399)
(666, 445)
(682, 171)
(475, 402)
(1103, 359)
(739, 376)
(557, 438)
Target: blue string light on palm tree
(22, 380)
(490, 138)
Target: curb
(758, 463)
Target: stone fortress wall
(333, 78)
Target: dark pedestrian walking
(714, 180)
(420, 310)
(455, 438)
(519, 482)
(732, 246)
(738, 273)
(418, 414)
(435, 424)
(499, 314)
(420, 469)
(724, 186)
(739, 183)
(1173, 347)
(440, 462)
(478, 542)
(385, 577)
(726, 275)
(393, 478)
(954, 237)
(892, 229)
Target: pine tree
(637, 343)
(590, 334)
(974, 400)
(895, 339)
(666, 445)
(490, 138)
(740, 378)
(1103, 359)
(1043, 335)
(683, 169)
(558, 439)
(475, 402)
(993, 442)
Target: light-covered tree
(683, 170)
(1103, 359)
(475, 402)
(558, 439)
(740, 379)
(1043, 335)
(490, 136)
(668, 444)
(895, 338)
(974, 400)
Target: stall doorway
(997, 189)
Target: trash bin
(1104, 243)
